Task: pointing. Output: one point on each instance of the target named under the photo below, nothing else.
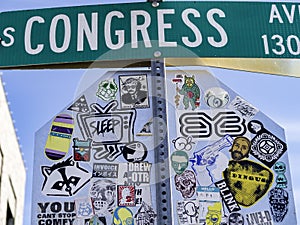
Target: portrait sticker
(122, 215)
(186, 183)
(105, 170)
(188, 212)
(126, 195)
(134, 91)
(236, 218)
(65, 178)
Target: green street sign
(85, 34)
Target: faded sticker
(216, 97)
(183, 143)
(147, 129)
(84, 207)
(105, 170)
(64, 179)
(209, 162)
(122, 216)
(82, 149)
(80, 105)
(179, 161)
(95, 220)
(279, 202)
(280, 168)
(227, 196)
(126, 195)
(259, 218)
(248, 181)
(135, 151)
(134, 91)
(188, 212)
(265, 146)
(145, 215)
(109, 128)
(107, 90)
(200, 125)
(191, 93)
(56, 213)
(138, 173)
(59, 137)
(186, 183)
(243, 107)
(103, 194)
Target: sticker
(95, 220)
(109, 128)
(227, 196)
(186, 183)
(147, 129)
(183, 143)
(105, 170)
(84, 207)
(240, 148)
(65, 178)
(236, 219)
(244, 108)
(209, 162)
(214, 214)
(188, 212)
(107, 90)
(145, 215)
(201, 125)
(142, 194)
(248, 181)
(281, 181)
(103, 194)
(178, 79)
(126, 195)
(138, 173)
(134, 91)
(56, 213)
(80, 105)
(279, 201)
(59, 137)
(135, 152)
(191, 93)
(82, 149)
(216, 97)
(265, 146)
(179, 161)
(259, 218)
(122, 216)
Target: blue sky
(36, 96)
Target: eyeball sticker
(216, 97)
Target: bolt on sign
(131, 31)
(96, 160)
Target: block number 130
(278, 45)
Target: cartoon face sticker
(235, 219)
(240, 148)
(279, 167)
(179, 161)
(64, 179)
(186, 183)
(183, 143)
(123, 216)
(216, 97)
(107, 90)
